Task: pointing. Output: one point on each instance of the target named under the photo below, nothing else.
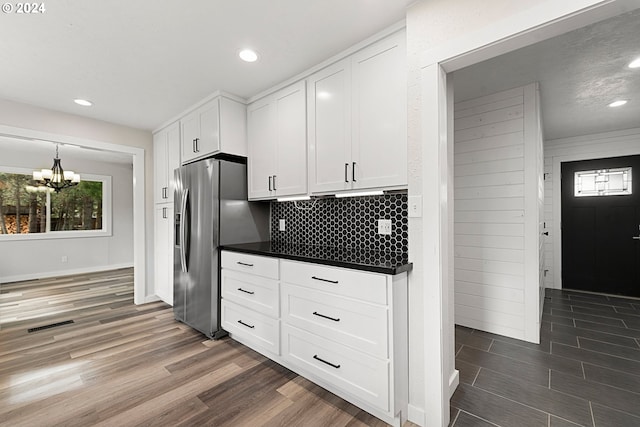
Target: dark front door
(599, 252)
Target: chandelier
(56, 178)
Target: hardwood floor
(119, 364)
(586, 370)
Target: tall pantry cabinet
(166, 153)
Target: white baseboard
(454, 381)
(151, 298)
(50, 274)
(415, 415)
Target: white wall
(28, 259)
(602, 145)
(24, 116)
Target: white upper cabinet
(219, 126)
(166, 153)
(262, 149)
(379, 108)
(329, 111)
(277, 131)
(357, 119)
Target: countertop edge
(333, 263)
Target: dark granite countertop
(373, 261)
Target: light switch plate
(415, 206)
(281, 225)
(384, 226)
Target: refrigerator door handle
(183, 228)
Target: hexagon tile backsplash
(343, 223)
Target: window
(30, 211)
(603, 182)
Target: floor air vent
(53, 325)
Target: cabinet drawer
(251, 327)
(360, 285)
(358, 374)
(361, 326)
(254, 292)
(254, 264)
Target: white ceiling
(142, 62)
(40, 151)
(579, 72)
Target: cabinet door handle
(353, 172)
(270, 177)
(244, 263)
(164, 192)
(326, 317)
(246, 324)
(324, 280)
(195, 145)
(346, 172)
(274, 183)
(164, 212)
(245, 291)
(315, 356)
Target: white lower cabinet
(354, 372)
(253, 328)
(344, 329)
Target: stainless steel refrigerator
(211, 209)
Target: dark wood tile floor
(585, 372)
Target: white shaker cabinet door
(262, 149)
(290, 178)
(379, 133)
(163, 252)
(201, 132)
(329, 114)
(166, 157)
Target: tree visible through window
(26, 208)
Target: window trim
(107, 216)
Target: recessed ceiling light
(248, 55)
(618, 103)
(83, 102)
(635, 63)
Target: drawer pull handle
(245, 264)
(315, 356)
(324, 280)
(326, 317)
(246, 324)
(245, 291)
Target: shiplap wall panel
(488, 167)
(502, 153)
(489, 117)
(489, 266)
(489, 213)
(509, 102)
(609, 144)
(489, 179)
(490, 229)
(488, 291)
(488, 130)
(494, 217)
(493, 254)
(489, 192)
(487, 143)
